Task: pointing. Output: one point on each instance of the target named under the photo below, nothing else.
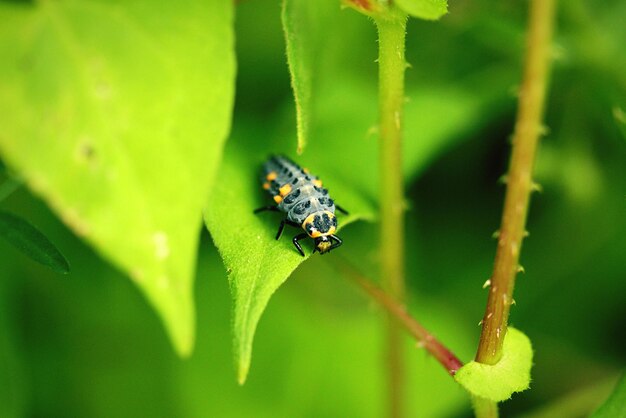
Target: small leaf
(424, 9)
(116, 114)
(303, 24)
(615, 405)
(499, 381)
(29, 240)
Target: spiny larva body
(305, 202)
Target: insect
(305, 202)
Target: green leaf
(257, 264)
(29, 240)
(424, 9)
(116, 113)
(303, 24)
(499, 381)
(615, 405)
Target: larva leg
(296, 242)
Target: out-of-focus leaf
(499, 381)
(29, 240)
(116, 114)
(257, 264)
(304, 26)
(7, 187)
(424, 9)
(615, 405)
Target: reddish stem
(398, 312)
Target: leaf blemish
(162, 248)
(137, 275)
(85, 152)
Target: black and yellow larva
(305, 202)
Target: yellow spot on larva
(278, 199)
(305, 170)
(266, 186)
(271, 176)
(284, 191)
(317, 183)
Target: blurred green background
(88, 344)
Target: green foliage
(615, 405)
(116, 117)
(29, 240)
(303, 24)
(499, 381)
(424, 9)
(90, 346)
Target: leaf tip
(65, 269)
(183, 344)
(180, 326)
(242, 372)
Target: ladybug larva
(305, 202)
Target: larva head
(320, 226)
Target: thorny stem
(528, 128)
(398, 313)
(391, 63)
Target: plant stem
(528, 128)
(391, 63)
(484, 408)
(397, 311)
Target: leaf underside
(511, 374)
(117, 118)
